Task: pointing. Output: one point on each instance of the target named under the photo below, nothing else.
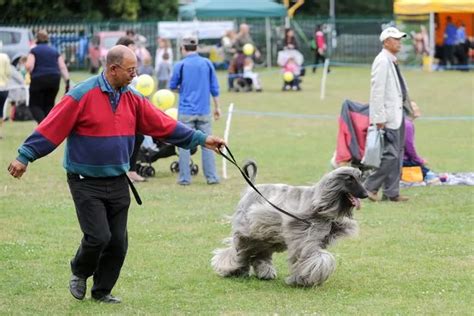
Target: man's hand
(380, 125)
(17, 169)
(214, 143)
(217, 113)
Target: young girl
(249, 73)
(293, 67)
(164, 72)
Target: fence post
(268, 37)
(226, 138)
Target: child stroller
(293, 56)
(146, 156)
(351, 136)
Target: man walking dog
(100, 118)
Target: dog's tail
(250, 169)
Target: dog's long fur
(259, 230)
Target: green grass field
(413, 258)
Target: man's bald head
(121, 66)
(118, 53)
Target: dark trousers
(3, 98)
(449, 55)
(318, 59)
(102, 208)
(43, 92)
(136, 148)
(388, 174)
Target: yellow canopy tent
(429, 6)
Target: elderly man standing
(388, 94)
(100, 117)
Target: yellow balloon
(173, 113)
(288, 76)
(248, 49)
(145, 84)
(163, 99)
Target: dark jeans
(43, 92)
(102, 208)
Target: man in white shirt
(387, 95)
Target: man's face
(393, 45)
(126, 71)
(244, 29)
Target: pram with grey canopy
(147, 156)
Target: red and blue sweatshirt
(100, 137)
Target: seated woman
(411, 157)
(235, 70)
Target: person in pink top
(320, 47)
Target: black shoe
(109, 299)
(78, 287)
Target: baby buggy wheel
(149, 171)
(194, 169)
(174, 167)
(141, 170)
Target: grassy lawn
(412, 258)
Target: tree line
(34, 11)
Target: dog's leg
(311, 269)
(263, 266)
(344, 227)
(230, 262)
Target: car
(99, 45)
(16, 42)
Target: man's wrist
(23, 159)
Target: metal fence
(352, 41)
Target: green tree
(27, 11)
(346, 8)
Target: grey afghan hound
(259, 230)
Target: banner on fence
(203, 30)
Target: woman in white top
(5, 73)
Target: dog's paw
(298, 281)
(264, 270)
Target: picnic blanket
(456, 178)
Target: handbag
(412, 174)
(373, 147)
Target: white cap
(391, 32)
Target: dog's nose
(364, 194)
